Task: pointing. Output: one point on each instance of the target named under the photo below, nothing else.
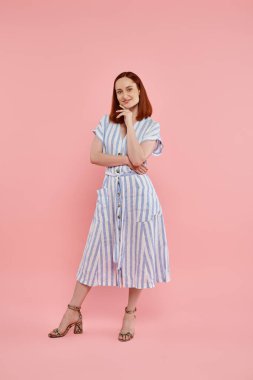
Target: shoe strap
(74, 307)
(130, 311)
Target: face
(127, 92)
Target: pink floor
(187, 330)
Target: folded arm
(99, 158)
(138, 153)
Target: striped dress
(126, 244)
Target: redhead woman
(126, 244)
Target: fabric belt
(107, 172)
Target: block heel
(78, 329)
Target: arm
(99, 158)
(135, 152)
(148, 147)
(138, 153)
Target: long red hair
(144, 105)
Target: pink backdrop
(58, 63)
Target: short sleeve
(100, 128)
(153, 133)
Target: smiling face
(127, 92)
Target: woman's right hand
(141, 169)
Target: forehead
(123, 83)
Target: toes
(125, 336)
(122, 336)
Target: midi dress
(126, 244)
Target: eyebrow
(126, 87)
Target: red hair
(144, 105)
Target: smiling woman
(123, 256)
(126, 244)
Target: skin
(126, 90)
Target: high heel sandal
(129, 334)
(78, 325)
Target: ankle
(130, 310)
(74, 306)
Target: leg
(133, 296)
(80, 292)
(129, 319)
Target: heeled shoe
(129, 334)
(78, 325)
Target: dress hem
(147, 286)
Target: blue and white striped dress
(126, 244)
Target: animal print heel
(129, 334)
(78, 326)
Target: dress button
(119, 154)
(118, 193)
(118, 216)
(119, 205)
(117, 170)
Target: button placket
(119, 199)
(118, 247)
(119, 205)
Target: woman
(126, 244)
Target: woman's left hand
(141, 169)
(128, 115)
